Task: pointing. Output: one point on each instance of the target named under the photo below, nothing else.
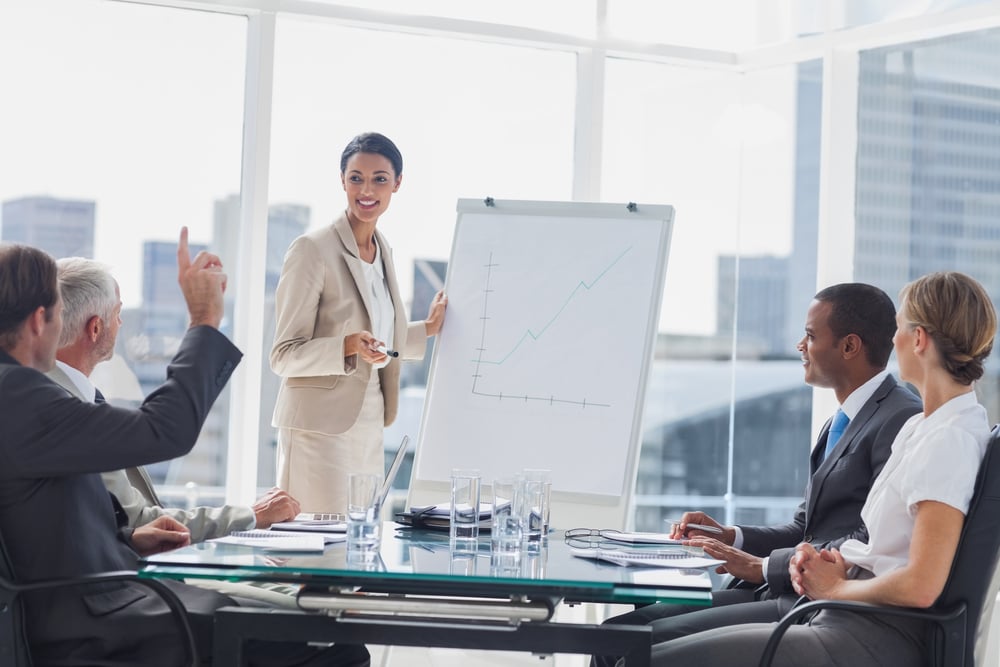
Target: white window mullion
(248, 280)
(837, 186)
(588, 133)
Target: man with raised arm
(56, 518)
(91, 319)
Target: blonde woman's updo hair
(958, 314)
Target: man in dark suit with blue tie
(56, 518)
(846, 347)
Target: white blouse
(933, 458)
(384, 315)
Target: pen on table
(697, 526)
(386, 351)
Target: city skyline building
(60, 227)
(754, 292)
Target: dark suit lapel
(856, 426)
(815, 465)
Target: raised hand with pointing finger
(203, 283)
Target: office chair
(13, 637)
(958, 620)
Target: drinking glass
(363, 511)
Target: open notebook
(325, 523)
(275, 540)
(678, 558)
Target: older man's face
(105, 348)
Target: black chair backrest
(13, 639)
(978, 548)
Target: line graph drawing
(529, 334)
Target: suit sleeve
(762, 540)
(206, 523)
(137, 508)
(296, 351)
(61, 435)
(203, 522)
(778, 578)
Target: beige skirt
(313, 467)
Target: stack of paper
(638, 538)
(439, 516)
(311, 526)
(277, 540)
(680, 559)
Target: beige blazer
(320, 300)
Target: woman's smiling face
(369, 182)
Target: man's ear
(36, 321)
(851, 346)
(95, 325)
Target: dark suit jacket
(838, 486)
(56, 517)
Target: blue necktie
(837, 429)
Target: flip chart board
(543, 358)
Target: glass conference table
(418, 591)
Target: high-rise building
(285, 223)
(928, 175)
(801, 284)
(163, 305)
(60, 227)
(149, 339)
(761, 307)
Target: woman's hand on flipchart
(365, 345)
(435, 314)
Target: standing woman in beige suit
(338, 311)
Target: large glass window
(119, 124)
(123, 121)
(471, 119)
(928, 175)
(723, 149)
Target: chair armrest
(168, 596)
(798, 612)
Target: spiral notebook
(276, 540)
(681, 559)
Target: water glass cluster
(518, 511)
